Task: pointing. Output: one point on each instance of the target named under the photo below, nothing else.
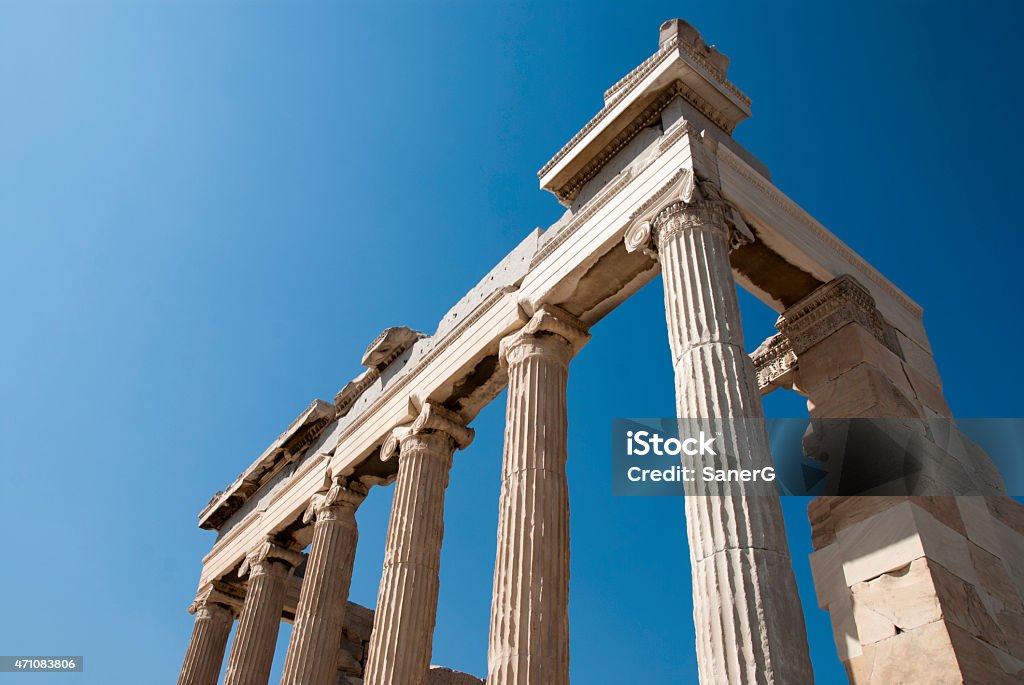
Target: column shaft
(403, 628)
(529, 635)
(252, 652)
(312, 657)
(205, 653)
(749, 624)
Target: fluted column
(529, 636)
(749, 623)
(252, 651)
(312, 657)
(403, 627)
(214, 615)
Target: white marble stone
(529, 636)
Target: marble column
(312, 653)
(529, 635)
(749, 624)
(252, 652)
(403, 627)
(214, 614)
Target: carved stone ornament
(548, 320)
(390, 345)
(831, 306)
(268, 551)
(773, 360)
(687, 201)
(341, 494)
(218, 594)
(432, 419)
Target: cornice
(614, 95)
(570, 190)
(289, 445)
(353, 390)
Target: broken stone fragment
(439, 675)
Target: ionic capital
(551, 332)
(270, 558)
(217, 600)
(687, 202)
(436, 429)
(341, 499)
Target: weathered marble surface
(623, 178)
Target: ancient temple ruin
(922, 589)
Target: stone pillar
(214, 612)
(750, 627)
(252, 652)
(922, 586)
(922, 589)
(529, 638)
(403, 628)
(312, 653)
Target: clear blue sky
(207, 210)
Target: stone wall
(923, 589)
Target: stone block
(349, 661)
(844, 626)
(963, 606)
(978, 522)
(994, 578)
(847, 348)
(833, 513)
(358, 622)
(944, 546)
(827, 571)
(919, 358)
(1012, 625)
(987, 476)
(897, 601)
(819, 513)
(923, 656)
(864, 391)
(880, 543)
(440, 675)
(1011, 546)
(928, 392)
(1007, 511)
(944, 509)
(980, 663)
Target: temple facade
(920, 588)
